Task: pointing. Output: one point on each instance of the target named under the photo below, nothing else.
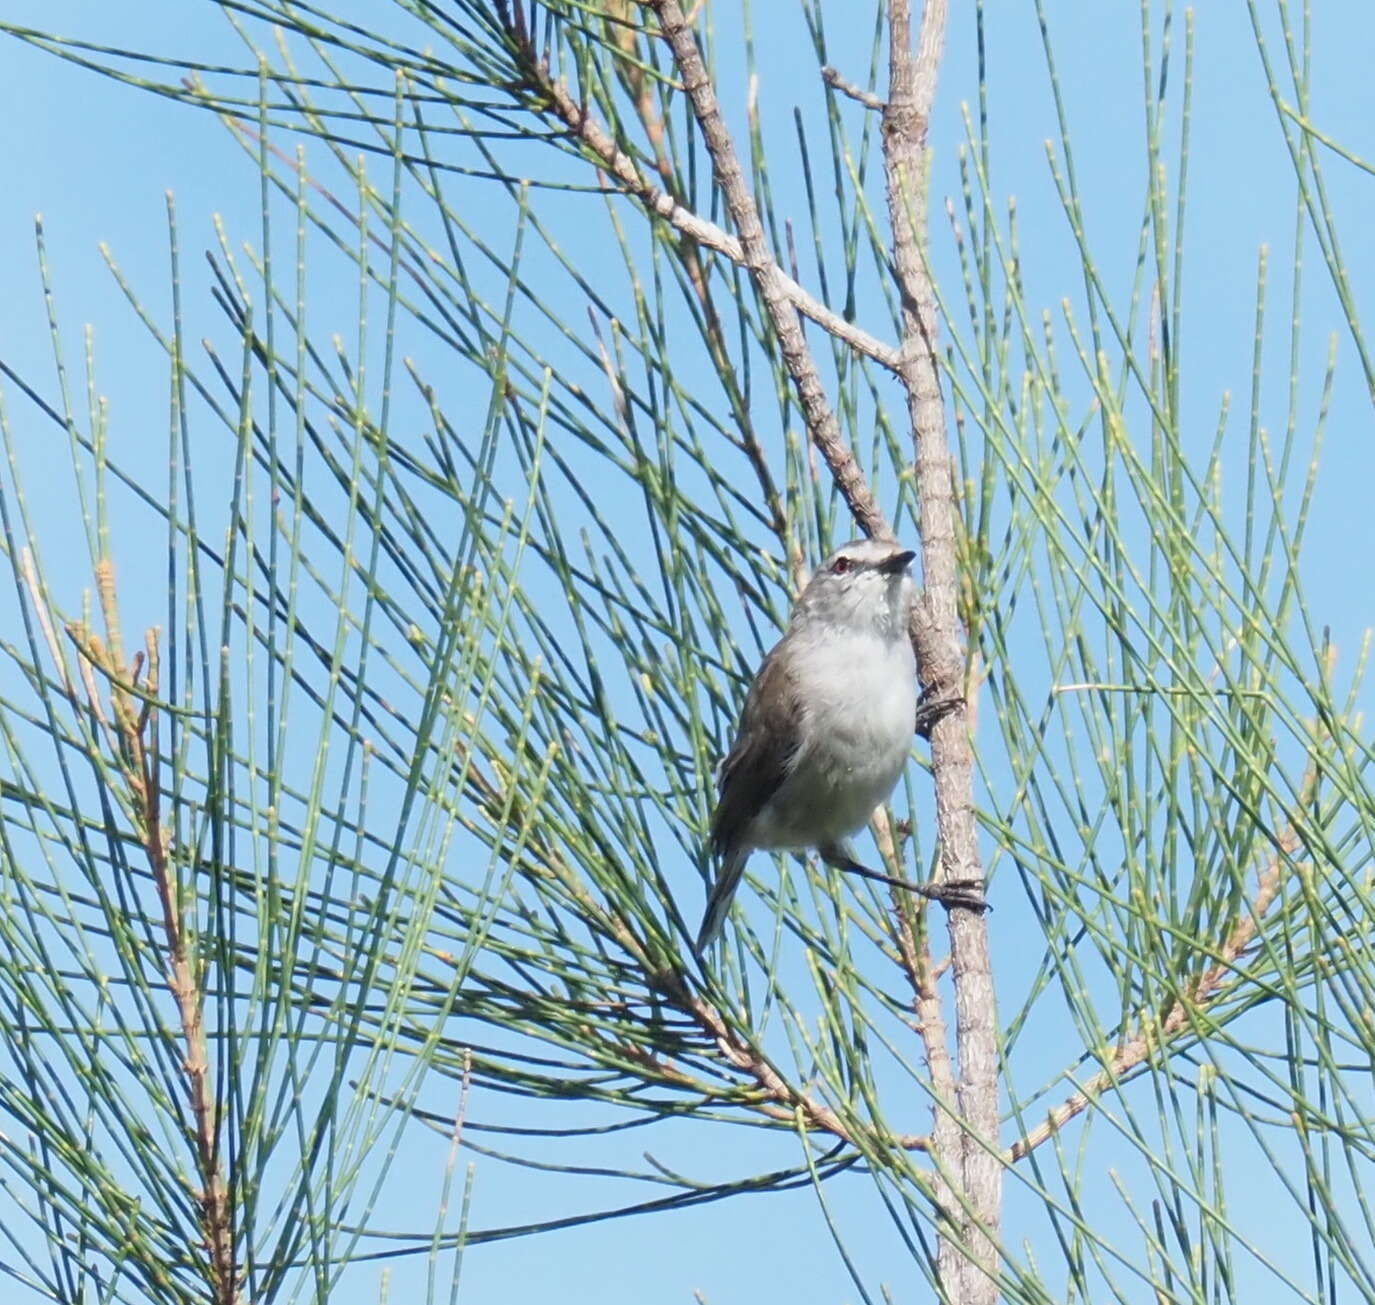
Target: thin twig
(689, 254)
(779, 1099)
(90, 654)
(216, 1208)
(1198, 994)
(456, 1132)
(40, 608)
(137, 750)
(746, 1057)
(831, 76)
(921, 973)
(769, 278)
(618, 165)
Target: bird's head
(863, 585)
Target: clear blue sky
(96, 160)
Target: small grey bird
(826, 727)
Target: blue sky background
(96, 159)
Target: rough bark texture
(764, 270)
(965, 1144)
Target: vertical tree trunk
(966, 1143)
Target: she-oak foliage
(381, 838)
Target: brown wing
(765, 749)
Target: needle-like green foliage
(360, 817)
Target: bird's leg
(966, 893)
(931, 709)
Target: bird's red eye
(840, 566)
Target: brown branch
(783, 1103)
(781, 1100)
(746, 1057)
(968, 1254)
(921, 973)
(618, 165)
(689, 254)
(136, 727)
(217, 1213)
(1205, 989)
(769, 279)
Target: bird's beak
(898, 562)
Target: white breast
(861, 695)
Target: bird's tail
(722, 893)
